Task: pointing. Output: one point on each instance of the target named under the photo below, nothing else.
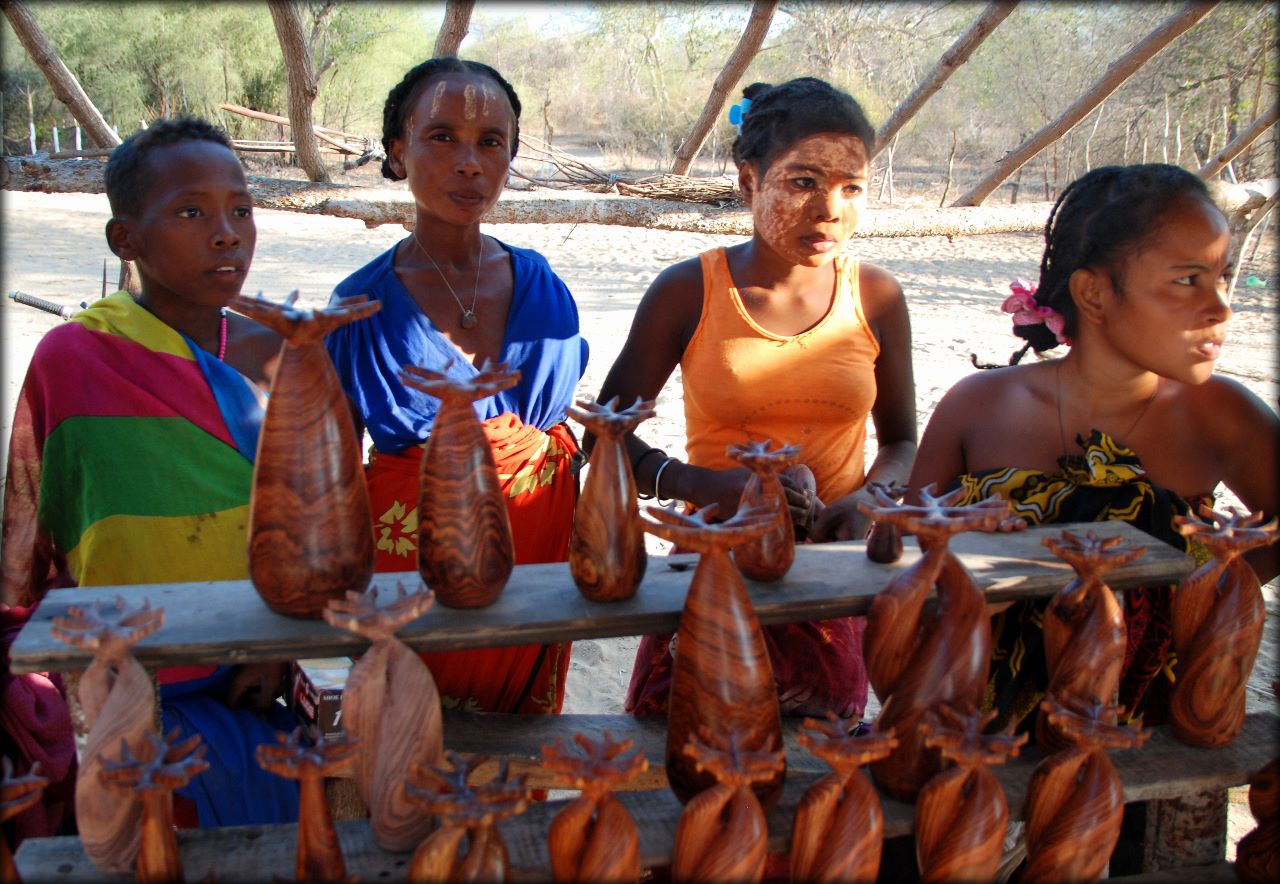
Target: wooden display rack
(226, 622)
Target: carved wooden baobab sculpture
(920, 656)
(465, 551)
(769, 556)
(1217, 627)
(838, 830)
(310, 528)
(961, 814)
(465, 811)
(319, 856)
(606, 552)
(722, 834)
(16, 795)
(1074, 800)
(119, 707)
(163, 766)
(1084, 634)
(390, 705)
(1258, 853)
(594, 838)
(722, 678)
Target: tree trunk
(996, 12)
(1243, 140)
(64, 83)
(302, 86)
(748, 45)
(453, 30)
(1119, 70)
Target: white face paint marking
(485, 95)
(469, 101)
(436, 97)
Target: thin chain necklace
(468, 319)
(1062, 432)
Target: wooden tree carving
(722, 834)
(465, 551)
(16, 795)
(119, 707)
(769, 556)
(163, 766)
(1074, 800)
(606, 553)
(920, 656)
(838, 830)
(310, 526)
(1218, 614)
(319, 855)
(594, 838)
(465, 811)
(884, 540)
(961, 814)
(1084, 633)
(391, 706)
(722, 679)
(1258, 853)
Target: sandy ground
(53, 247)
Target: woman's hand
(843, 520)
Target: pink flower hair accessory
(1022, 304)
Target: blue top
(541, 340)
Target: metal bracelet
(635, 467)
(657, 479)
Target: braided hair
(1100, 220)
(401, 98)
(781, 115)
(126, 176)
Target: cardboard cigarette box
(316, 696)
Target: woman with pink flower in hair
(1130, 424)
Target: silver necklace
(468, 319)
(1062, 432)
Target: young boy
(132, 452)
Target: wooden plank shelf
(1163, 768)
(227, 622)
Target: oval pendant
(468, 319)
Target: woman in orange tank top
(784, 338)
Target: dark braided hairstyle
(1100, 220)
(126, 176)
(781, 115)
(402, 96)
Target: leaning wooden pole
(996, 12)
(64, 83)
(748, 45)
(457, 21)
(1240, 142)
(1119, 71)
(302, 86)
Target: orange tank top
(815, 389)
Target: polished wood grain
(119, 706)
(838, 832)
(722, 834)
(465, 551)
(310, 527)
(961, 814)
(607, 558)
(164, 765)
(884, 539)
(1218, 614)
(469, 811)
(1084, 633)
(319, 854)
(768, 557)
(1074, 802)
(1258, 853)
(722, 679)
(16, 795)
(593, 838)
(391, 706)
(920, 656)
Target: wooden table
(227, 622)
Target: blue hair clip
(738, 111)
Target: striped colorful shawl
(131, 458)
